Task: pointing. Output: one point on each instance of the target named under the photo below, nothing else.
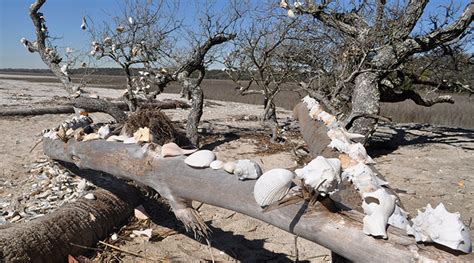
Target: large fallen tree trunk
(69, 229)
(341, 232)
(69, 108)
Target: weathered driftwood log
(81, 223)
(341, 232)
(69, 108)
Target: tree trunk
(194, 117)
(340, 231)
(53, 237)
(270, 118)
(365, 101)
(130, 97)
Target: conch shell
(247, 169)
(442, 227)
(322, 174)
(378, 207)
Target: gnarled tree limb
(173, 179)
(394, 96)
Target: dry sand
(426, 164)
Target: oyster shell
(442, 227)
(200, 159)
(247, 169)
(272, 186)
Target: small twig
(36, 144)
(85, 247)
(210, 249)
(296, 249)
(123, 250)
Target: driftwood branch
(341, 232)
(61, 109)
(393, 96)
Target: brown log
(341, 232)
(82, 223)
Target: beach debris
(272, 186)
(148, 233)
(90, 196)
(140, 213)
(142, 135)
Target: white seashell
(147, 232)
(172, 149)
(315, 111)
(114, 236)
(327, 118)
(142, 135)
(229, 167)
(117, 138)
(442, 227)
(399, 218)
(378, 207)
(217, 164)
(129, 140)
(339, 145)
(358, 153)
(247, 169)
(310, 102)
(291, 14)
(90, 137)
(343, 135)
(200, 159)
(272, 186)
(89, 196)
(322, 174)
(104, 131)
(363, 178)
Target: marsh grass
(460, 114)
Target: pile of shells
(48, 187)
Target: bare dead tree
(137, 37)
(52, 58)
(258, 65)
(372, 40)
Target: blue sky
(63, 18)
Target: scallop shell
(200, 159)
(442, 227)
(217, 164)
(378, 207)
(247, 169)
(229, 167)
(172, 149)
(272, 186)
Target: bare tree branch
(413, 11)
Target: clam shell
(229, 167)
(200, 159)
(247, 169)
(217, 164)
(172, 149)
(272, 186)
